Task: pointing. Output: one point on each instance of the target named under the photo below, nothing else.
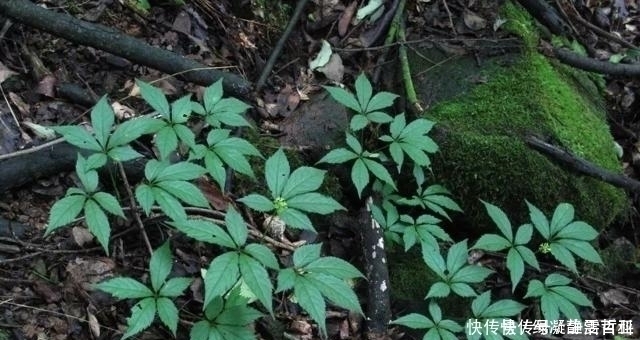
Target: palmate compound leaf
(336, 290)
(296, 219)
(344, 97)
(102, 119)
(562, 216)
(306, 254)
(500, 219)
(333, 266)
(185, 191)
(205, 231)
(258, 202)
(142, 315)
(175, 287)
(363, 91)
(236, 227)
(78, 136)
(302, 180)
(263, 254)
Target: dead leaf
(182, 23)
(23, 107)
(5, 73)
(473, 21)
(94, 325)
(345, 18)
(613, 297)
(122, 111)
(81, 236)
(213, 194)
(334, 69)
(47, 85)
(274, 226)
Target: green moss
(486, 126)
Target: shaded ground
(43, 281)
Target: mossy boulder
(487, 110)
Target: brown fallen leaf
(345, 18)
(473, 21)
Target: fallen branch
(112, 41)
(592, 65)
(582, 166)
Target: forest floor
(45, 281)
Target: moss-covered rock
(487, 110)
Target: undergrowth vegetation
(245, 276)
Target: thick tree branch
(112, 41)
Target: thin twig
(134, 208)
(280, 45)
(446, 8)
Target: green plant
(557, 297)
(152, 300)
(242, 270)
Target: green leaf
(503, 308)
(78, 136)
(200, 331)
(577, 230)
(565, 306)
(257, 278)
(528, 256)
(359, 175)
(236, 226)
(286, 279)
(96, 161)
(169, 204)
(333, 266)
(306, 254)
(97, 223)
(133, 129)
(338, 156)
(549, 307)
(310, 299)
(153, 168)
(457, 256)
(315, 203)
(109, 203)
(222, 274)
(235, 332)
(302, 180)
(434, 261)
(167, 142)
(379, 171)
(182, 171)
(142, 315)
(257, 202)
(524, 233)
(277, 172)
(515, 264)
(414, 321)
(471, 274)
(154, 97)
(535, 289)
(381, 100)
(144, 196)
(185, 135)
(263, 254)
(363, 91)
(336, 290)
(168, 313)
(582, 249)
(125, 288)
(379, 117)
(573, 295)
(564, 256)
(102, 119)
(480, 303)
(438, 290)
(500, 219)
(492, 242)
(539, 221)
(396, 154)
(212, 95)
(238, 315)
(65, 211)
(556, 280)
(216, 169)
(561, 217)
(353, 143)
(296, 219)
(185, 191)
(344, 97)
(204, 231)
(462, 289)
(175, 286)
(160, 266)
(123, 153)
(181, 110)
